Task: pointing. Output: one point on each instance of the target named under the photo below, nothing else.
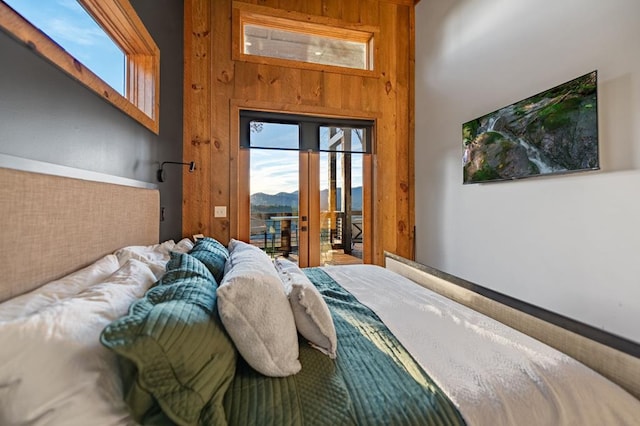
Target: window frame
(309, 128)
(142, 56)
(244, 13)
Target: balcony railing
(277, 232)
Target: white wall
(569, 243)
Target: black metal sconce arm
(161, 175)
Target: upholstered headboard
(53, 225)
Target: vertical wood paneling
(293, 5)
(332, 93)
(351, 11)
(242, 182)
(314, 206)
(269, 3)
(264, 81)
(291, 83)
(222, 86)
(352, 93)
(310, 7)
(311, 87)
(403, 236)
(412, 131)
(370, 12)
(303, 209)
(196, 207)
(332, 8)
(371, 94)
(247, 73)
(386, 159)
(279, 83)
(309, 204)
(211, 108)
(368, 220)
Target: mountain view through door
(279, 224)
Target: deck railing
(277, 232)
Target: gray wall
(566, 243)
(47, 116)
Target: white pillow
(58, 290)
(183, 246)
(256, 313)
(233, 243)
(155, 256)
(284, 266)
(311, 313)
(53, 369)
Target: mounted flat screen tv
(555, 131)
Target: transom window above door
(304, 133)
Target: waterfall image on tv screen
(555, 131)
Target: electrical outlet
(220, 211)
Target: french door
(307, 183)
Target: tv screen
(555, 131)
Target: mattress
(494, 374)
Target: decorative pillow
(256, 313)
(175, 354)
(53, 369)
(184, 266)
(213, 254)
(283, 266)
(58, 290)
(231, 247)
(311, 313)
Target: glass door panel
(341, 195)
(306, 186)
(274, 209)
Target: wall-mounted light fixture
(161, 175)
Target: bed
(83, 273)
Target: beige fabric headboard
(51, 225)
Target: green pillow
(213, 254)
(175, 353)
(182, 266)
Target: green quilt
(373, 381)
(175, 355)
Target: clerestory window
(101, 43)
(308, 43)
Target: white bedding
(58, 290)
(53, 369)
(494, 374)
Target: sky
(69, 25)
(274, 171)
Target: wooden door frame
(239, 170)
(309, 207)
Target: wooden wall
(215, 86)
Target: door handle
(303, 229)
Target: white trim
(35, 166)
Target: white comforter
(494, 374)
